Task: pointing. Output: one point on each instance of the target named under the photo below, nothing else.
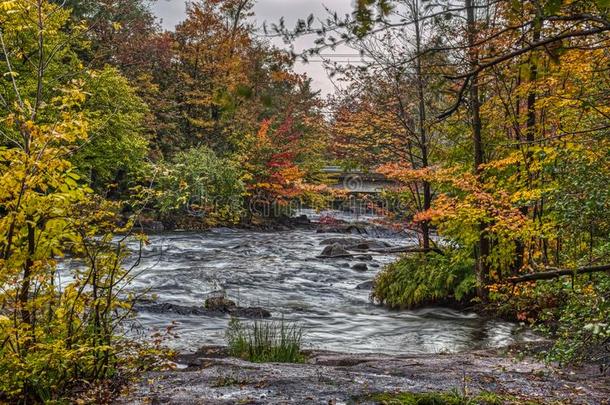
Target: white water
(280, 272)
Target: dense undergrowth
(573, 311)
(422, 279)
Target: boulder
(367, 285)
(369, 245)
(334, 250)
(360, 267)
(342, 241)
(364, 257)
(221, 304)
(250, 312)
(217, 306)
(301, 220)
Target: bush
(581, 326)
(422, 279)
(572, 311)
(201, 184)
(265, 341)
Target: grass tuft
(265, 341)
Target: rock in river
(334, 250)
(221, 304)
(360, 267)
(342, 241)
(217, 306)
(369, 245)
(367, 285)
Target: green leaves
(116, 149)
(197, 183)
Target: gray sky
(172, 12)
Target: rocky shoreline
(211, 377)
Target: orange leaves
(263, 131)
(512, 159)
(404, 173)
(275, 174)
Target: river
(280, 272)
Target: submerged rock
(369, 245)
(367, 285)
(334, 250)
(342, 241)
(360, 267)
(250, 312)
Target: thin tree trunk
(482, 267)
(423, 138)
(530, 137)
(551, 274)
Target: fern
(424, 279)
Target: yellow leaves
(524, 197)
(11, 74)
(8, 6)
(512, 159)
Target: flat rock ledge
(209, 377)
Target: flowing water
(279, 271)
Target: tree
(51, 333)
(115, 150)
(203, 185)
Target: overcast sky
(172, 12)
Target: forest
(489, 118)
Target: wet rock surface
(342, 241)
(367, 285)
(363, 229)
(218, 310)
(334, 250)
(360, 267)
(209, 377)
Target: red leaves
(276, 173)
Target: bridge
(357, 181)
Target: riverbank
(210, 377)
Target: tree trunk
(423, 138)
(551, 274)
(530, 137)
(482, 268)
